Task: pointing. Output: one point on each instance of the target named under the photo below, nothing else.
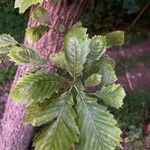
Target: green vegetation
(103, 16)
(10, 21)
(14, 24)
(72, 114)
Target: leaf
(76, 50)
(4, 51)
(17, 3)
(40, 113)
(105, 67)
(24, 4)
(36, 87)
(93, 80)
(98, 130)
(23, 55)
(115, 38)
(91, 68)
(97, 48)
(41, 15)
(59, 59)
(7, 40)
(35, 33)
(107, 70)
(63, 133)
(112, 95)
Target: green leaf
(41, 15)
(112, 95)
(7, 40)
(93, 80)
(35, 33)
(91, 68)
(76, 50)
(17, 3)
(105, 67)
(63, 133)
(36, 87)
(4, 51)
(23, 55)
(40, 113)
(24, 4)
(107, 70)
(59, 59)
(115, 38)
(98, 130)
(97, 48)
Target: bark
(14, 134)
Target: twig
(127, 76)
(139, 15)
(128, 79)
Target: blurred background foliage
(106, 15)
(10, 21)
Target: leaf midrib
(89, 115)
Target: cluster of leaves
(72, 114)
(42, 16)
(39, 14)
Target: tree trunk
(14, 134)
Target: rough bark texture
(14, 134)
